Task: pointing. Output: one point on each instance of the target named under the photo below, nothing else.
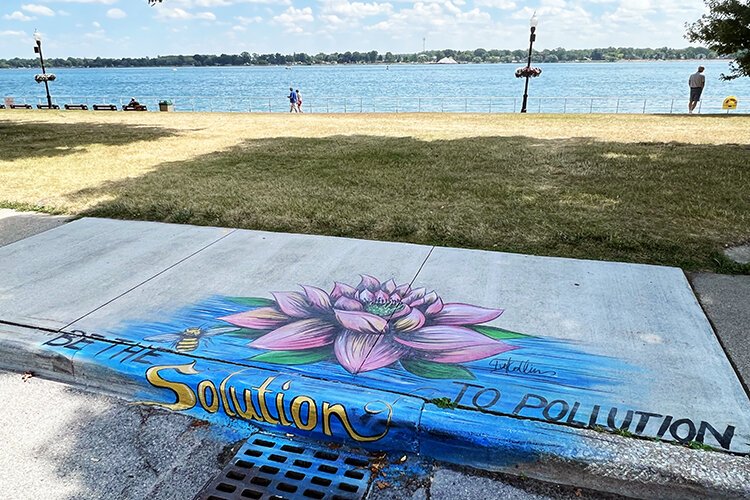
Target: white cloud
(103, 2)
(18, 16)
(188, 4)
(12, 33)
(116, 14)
(346, 9)
(38, 9)
(496, 4)
(96, 35)
(292, 17)
(182, 14)
(436, 17)
(243, 20)
(96, 24)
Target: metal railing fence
(396, 104)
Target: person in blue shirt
(292, 100)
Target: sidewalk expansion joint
(170, 267)
(411, 283)
(745, 385)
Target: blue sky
(116, 28)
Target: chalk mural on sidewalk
(343, 363)
(365, 328)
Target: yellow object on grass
(730, 103)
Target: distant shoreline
(621, 61)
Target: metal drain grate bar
(270, 467)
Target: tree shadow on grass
(662, 203)
(44, 140)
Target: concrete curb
(541, 450)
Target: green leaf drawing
(252, 301)
(429, 369)
(498, 333)
(247, 333)
(293, 357)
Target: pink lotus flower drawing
(373, 326)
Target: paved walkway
(15, 226)
(281, 332)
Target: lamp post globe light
(44, 77)
(533, 22)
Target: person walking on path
(697, 81)
(292, 100)
(299, 101)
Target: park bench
(20, 106)
(47, 106)
(136, 107)
(105, 107)
(80, 107)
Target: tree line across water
(480, 55)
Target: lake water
(626, 87)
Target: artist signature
(523, 367)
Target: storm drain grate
(268, 467)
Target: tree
(726, 30)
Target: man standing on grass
(292, 100)
(697, 82)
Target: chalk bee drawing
(372, 326)
(189, 339)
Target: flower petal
(263, 318)
(431, 297)
(465, 314)
(293, 304)
(401, 312)
(342, 290)
(348, 304)
(389, 286)
(317, 298)
(381, 296)
(303, 334)
(403, 290)
(360, 321)
(415, 295)
(362, 352)
(412, 321)
(368, 283)
(435, 307)
(366, 296)
(451, 344)
(427, 299)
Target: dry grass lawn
(660, 189)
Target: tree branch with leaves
(726, 30)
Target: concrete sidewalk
(580, 344)
(15, 225)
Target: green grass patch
(444, 403)
(659, 203)
(52, 141)
(27, 207)
(695, 445)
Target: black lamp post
(38, 50)
(533, 22)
